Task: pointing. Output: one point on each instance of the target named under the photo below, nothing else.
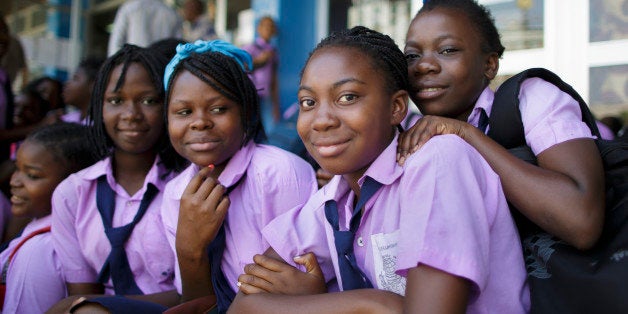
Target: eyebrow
(337, 84)
(438, 39)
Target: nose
(426, 64)
(324, 117)
(132, 111)
(15, 181)
(201, 122)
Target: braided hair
(224, 74)
(67, 142)
(480, 17)
(385, 55)
(154, 63)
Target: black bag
(563, 279)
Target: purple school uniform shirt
(5, 211)
(444, 208)
(549, 115)
(79, 234)
(262, 76)
(34, 277)
(270, 181)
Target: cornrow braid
(382, 50)
(480, 17)
(67, 142)
(227, 77)
(154, 63)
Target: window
(520, 22)
(608, 20)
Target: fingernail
(298, 256)
(402, 160)
(239, 284)
(211, 167)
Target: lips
(429, 91)
(330, 148)
(203, 144)
(17, 200)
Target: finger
(310, 263)
(223, 207)
(255, 271)
(249, 289)
(271, 263)
(196, 182)
(208, 187)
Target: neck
(130, 170)
(353, 177)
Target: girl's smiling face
(347, 117)
(133, 114)
(205, 127)
(446, 66)
(37, 174)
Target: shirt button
(360, 241)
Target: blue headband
(242, 57)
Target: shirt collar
(156, 175)
(235, 169)
(484, 102)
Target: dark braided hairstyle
(67, 142)
(480, 17)
(226, 76)
(154, 63)
(385, 55)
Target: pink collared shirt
(444, 208)
(79, 235)
(34, 277)
(5, 211)
(549, 115)
(270, 181)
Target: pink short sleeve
(549, 115)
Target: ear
(492, 66)
(399, 107)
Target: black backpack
(563, 279)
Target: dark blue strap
(117, 264)
(352, 276)
(483, 121)
(215, 250)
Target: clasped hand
(271, 275)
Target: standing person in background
(265, 63)
(197, 25)
(77, 91)
(142, 22)
(14, 61)
(6, 94)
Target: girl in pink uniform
(106, 218)
(453, 50)
(432, 236)
(45, 158)
(214, 122)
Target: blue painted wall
(59, 25)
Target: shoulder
(444, 149)
(539, 86)
(82, 179)
(175, 187)
(271, 160)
